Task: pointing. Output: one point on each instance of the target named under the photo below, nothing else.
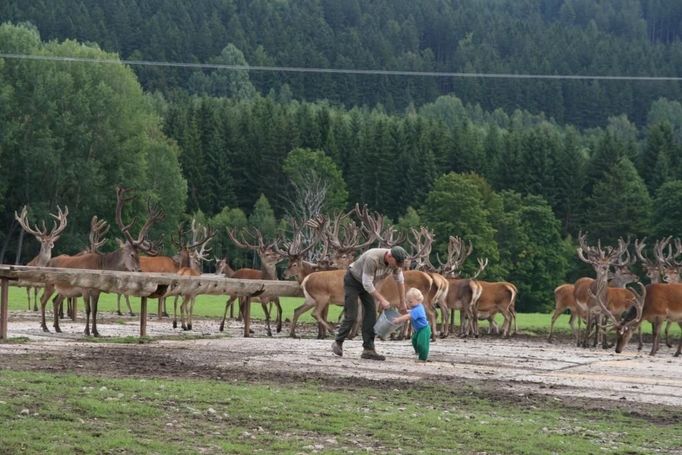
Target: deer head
(46, 239)
(198, 248)
(269, 257)
(131, 247)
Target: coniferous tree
(620, 205)
(668, 210)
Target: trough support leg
(4, 307)
(143, 317)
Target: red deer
(490, 298)
(564, 299)
(269, 258)
(125, 258)
(198, 252)
(596, 294)
(658, 302)
(420, 242)
(47, 241)
(163, 264)
(459, 293)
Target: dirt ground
(520, 368)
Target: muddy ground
(522, 368)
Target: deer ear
(120, 242)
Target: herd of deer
(320, 250)
(318, 253)
(605, 302)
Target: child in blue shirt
(421, 331)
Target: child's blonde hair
(414, 295)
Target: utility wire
(295, 69)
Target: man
(371, 267)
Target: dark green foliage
(531, 249)
(610, 37)
(668, 210)
(620, 205)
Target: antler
(482, 264)
(201, 242)
(154, 215)
(293, 249)
(57, 228)
(456, 255)
(120, 201)
(421, 247)
(98, 228)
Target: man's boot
(337, 349)
(371, 354)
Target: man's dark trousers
(353, 290)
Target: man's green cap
(399, 253)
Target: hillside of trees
(506, 164)
(557, 37)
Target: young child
(421, 331)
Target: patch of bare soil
(525, 370)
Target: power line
(295, 69)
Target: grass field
(214, 306)
(66, 414)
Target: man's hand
(384, 303)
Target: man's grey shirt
(371, 268)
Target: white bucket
(384, 325)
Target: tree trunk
(17, 259)
(4, 246)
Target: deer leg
(640, 343)
(240, 315)
(656, 329)
(130, 309)
(118, 305)
(278, 305)
(266, 311)
(95, 300)
(28, 298)
(246, 314)
(555, 315)
(667, 339)
(73, 311)
(56, 303)
(191, 311)
(452, 320)
(86, 303)
(35, 298)
(321, 332)
(175, 312)
(445, 321)
(49, 289)
(183, 313)
(159, 307)
(679, 344)
(307, 305)
(318, 314)
(228, 304)
(164, 312)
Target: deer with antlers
(658, 302)
(198, 252)
(460, 293)
(125, 258)
(269, 258)
(607, 290)
(420, 241)
(47, 241)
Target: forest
(517, 166)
